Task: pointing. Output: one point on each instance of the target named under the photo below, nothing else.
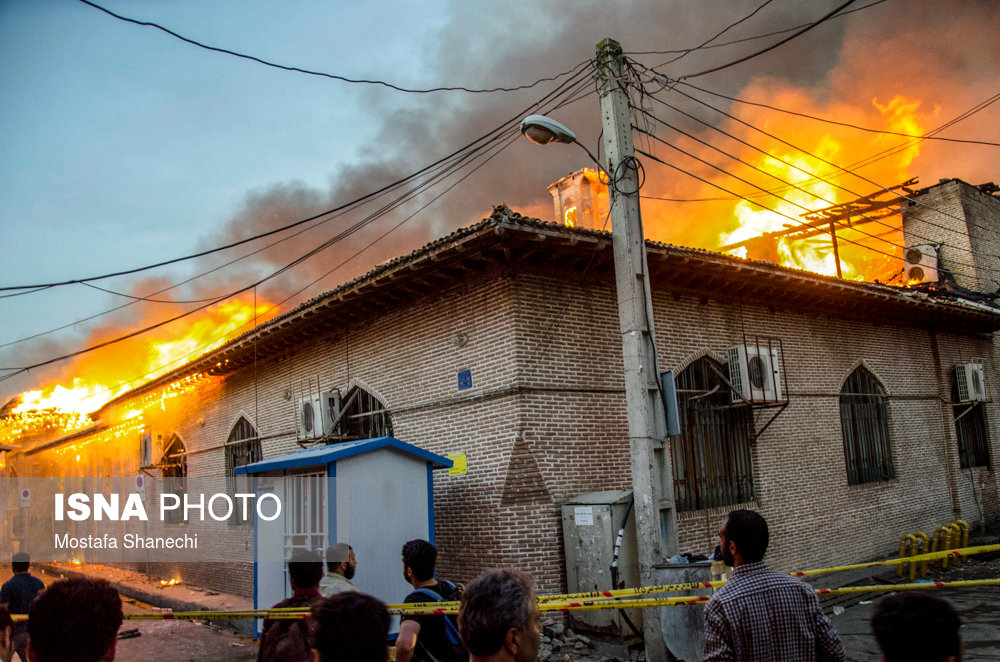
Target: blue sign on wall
(464, 380)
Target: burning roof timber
(507, 241)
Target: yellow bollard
(953, 539)
(904, 539)
(925, 546)
(940, 543)
(964, 526)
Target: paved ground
(178, 641)
(184, 641)
(978, 607)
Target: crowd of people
(498, 618)
(759, 615)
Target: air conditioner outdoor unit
(921, 263)
(754, 373)
(971, 385)
(317, 413)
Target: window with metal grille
(970, 431)
(362, 416)
(174, 467)
(711, 458)
(242, 448)
(864, 421)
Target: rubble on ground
(562, 644)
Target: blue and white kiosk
(374, 494)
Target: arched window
(173, 464)
(711, 458)
(864, 421)
(362, 416)
(242, 448)
(970, 431)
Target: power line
(708, 41)
(753, 38)
(570, 88)
(804, 224)
(753, 202)
(356, 201)
(838, 123)
(134, 300)
(344, 79)
(769, 48)
(511, 133)
(787, 183)
(838, 170)
(509, 128)
(850, 170)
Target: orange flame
(120, 367)
(801, 182)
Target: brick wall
(966, 222)
(544, 419)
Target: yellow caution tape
(638, 590)
(615, 599)
(570, 605)
(908, 587)
(958, 553)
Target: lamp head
(542, 130)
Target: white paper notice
(583, 515)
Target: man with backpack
(430, 638)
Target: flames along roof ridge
(504, 216)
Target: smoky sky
(940, 50)
(518, 43)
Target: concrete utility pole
(652, 477)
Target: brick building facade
(500, 341)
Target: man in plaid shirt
(761, 615)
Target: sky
(124, 146)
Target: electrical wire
(807, 225)
(188, 280)
(851, 170)
(708, 41)
(800, 222)
(755, 37)
(574, 90)
(753, 202)
(769, 48)
(838, 123)
(356, 201)
(791, 184)
(338, 77)
(509, 127)
(838, 169)
(512, 135)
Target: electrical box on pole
(652, 478)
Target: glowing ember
(78, 398)
(108, 372)
(204, 335)
(169, 582)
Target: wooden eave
(507, 243)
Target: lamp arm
(594, 159)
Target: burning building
(835, 407)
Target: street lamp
(543, 130)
